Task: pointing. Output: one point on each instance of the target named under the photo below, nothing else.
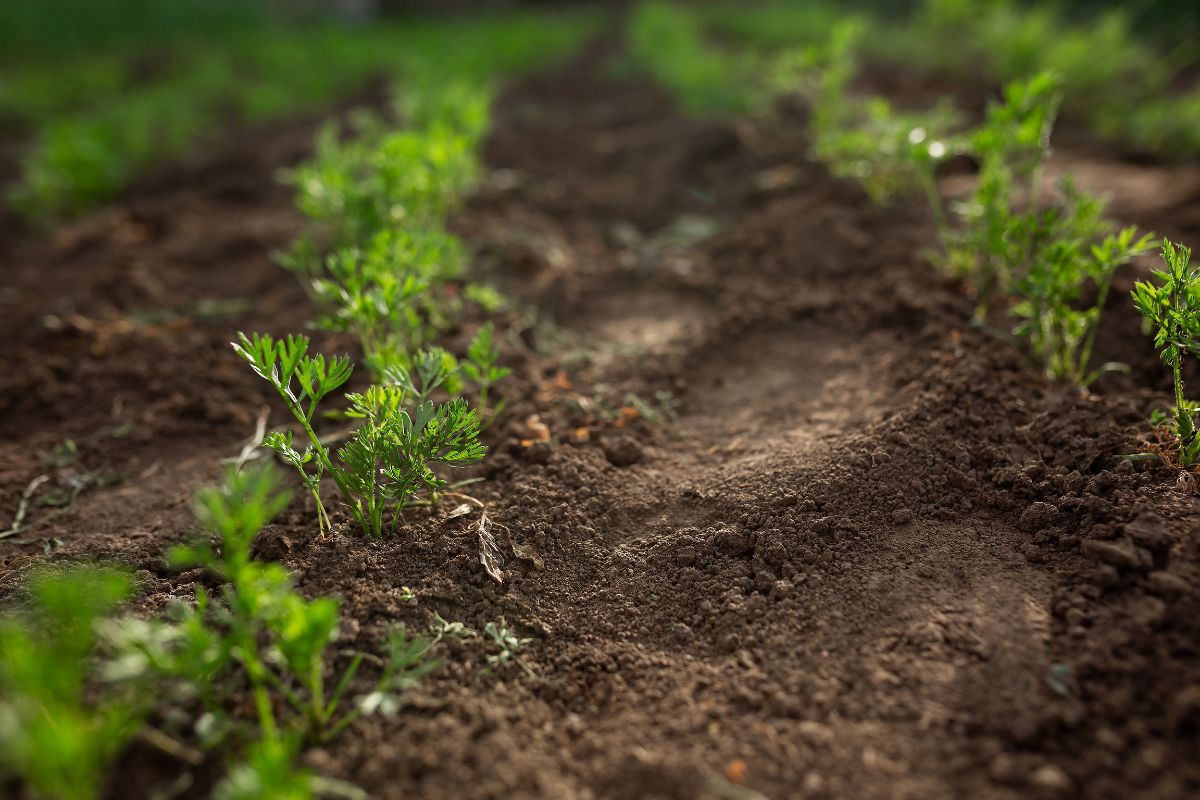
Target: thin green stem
(929, 184)
(344, 722)
(1085, 355)
(322, 454)
(343, 685)
(255, 671)
(317, 698)
(1177, 369)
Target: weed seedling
(1171, 304)
(510, 646)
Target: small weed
(510, 646)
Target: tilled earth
(845, 545)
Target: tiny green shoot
(510, 646)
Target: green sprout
(386, 460)
(1011, 146)
(510, 646)
(1061, 334)
(58, 737)
(482, 368)
(1172, 306)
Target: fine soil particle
(778, 514)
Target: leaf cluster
(1171, 304)
(259, 635)
(387, 459)
(668, 41)
(55, 734)
(378, 258)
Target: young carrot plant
(374, 178)
(1060, 333)
(392, 294)
(510, 646)
(259, 636)
(482, 368)
(1171, 304)
(378, 259)
(891, 153)
(55, 736)
(387, 459)
(1006, 240)
(992, 248)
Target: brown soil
(876, 556)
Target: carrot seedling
(891, 153)
(1171, 303)
(386, 461)
(1067, 258)
(482, 367)
(55, 735)
(987, 250)
(258, 636)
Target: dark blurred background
(68, 24)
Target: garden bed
(845, 544)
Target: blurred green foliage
(100, 120)
(55, 735)
(669, 42)
(57, 27)
(1116, 80)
